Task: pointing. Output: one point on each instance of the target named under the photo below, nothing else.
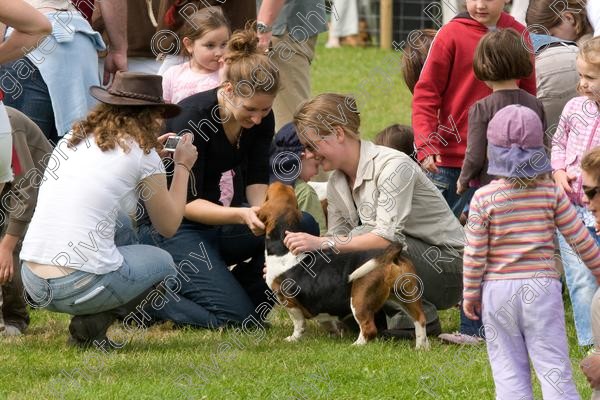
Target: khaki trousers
(292, 58)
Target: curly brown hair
(114, 125)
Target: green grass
(165, 363)
(372, 76)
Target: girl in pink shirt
(579, 131)
(204, 37)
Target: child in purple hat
(509, 277)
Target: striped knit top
(510, 234)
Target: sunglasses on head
(590, 191)
(312, 146)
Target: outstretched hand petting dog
(300, 242)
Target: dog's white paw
(292, 339)
(361, 341)
(422, 344)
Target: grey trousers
(440, 271)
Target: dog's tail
(393, 255)
(363, 269)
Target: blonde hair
(590, 53)
(248, 69)
(115, 125)
(200, 23)
(523, 183)
(326, 111)
(591, 163)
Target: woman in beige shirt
(378, 196)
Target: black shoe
(90, 330)
(433, 329)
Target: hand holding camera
(185, 152)
(180, 148)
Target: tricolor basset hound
(333, 283)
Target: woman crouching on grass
(76, 259)
(233, 129)
(378, 196)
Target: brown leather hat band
(139, 96)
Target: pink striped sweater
(510, 234)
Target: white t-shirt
(593, 14)
(84, 190)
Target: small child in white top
(204, 39)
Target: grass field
(163, 363)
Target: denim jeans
(210, 294)
(82, 293)
(580, 282)
(30, 96)
(445, 180)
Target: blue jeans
(30, 95)
(82, 293)
(210, 294)
(581, 284)
(445, 180)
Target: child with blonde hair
(577, 133)
(509, 277)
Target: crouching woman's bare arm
(166, 206)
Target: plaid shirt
(575, 135)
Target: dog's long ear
(263, 214)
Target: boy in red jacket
(446, 89)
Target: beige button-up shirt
(391, 198)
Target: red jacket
(447, 88)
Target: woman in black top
(233, 126)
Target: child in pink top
(579, 131)
(509, 278)
(204, 37)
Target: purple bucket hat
(516, 144)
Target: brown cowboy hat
(135, 89)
